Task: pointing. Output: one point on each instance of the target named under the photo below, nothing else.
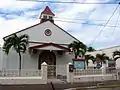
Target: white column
(103, 69)
(103, 72)
(1, 58)
(70, 75)
(44, 72)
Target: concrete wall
(92, 78)
(30, 61)
(21, 80)
(109, 52)
(11, 61)
(62, 61)
(37, 34)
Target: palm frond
(115, 53)
(23, 48)
(90, 49)
(116, 58)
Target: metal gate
(57, 73)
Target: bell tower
(47, 15)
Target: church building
(47, 43)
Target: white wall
(37, 34)
(30, 61)
(11, 61)
(62, 61)
(92, 78)
(109, 52)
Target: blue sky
(16, 15)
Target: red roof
(51, 44)
(48, 11)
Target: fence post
(70, 74)
(44, 72)
(103, 70)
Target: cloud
(16, 15)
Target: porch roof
(50, 46)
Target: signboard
(79, 64)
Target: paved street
(56, 86)
(106, 89)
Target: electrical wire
(77, 19)
(72, 2)
(93, 24)
(116, 22)
(104, 26)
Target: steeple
(47, 15)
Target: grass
(97, 87)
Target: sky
(86, 22)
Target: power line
(78, 19)
(104, 26)
(73, 2)
(87, 23)
(116, 22)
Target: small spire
(47, 15)
(48, 11)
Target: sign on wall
(79, 64)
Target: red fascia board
(51, 44)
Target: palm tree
(88, 57)
(19, 43)
(78, 48)
(101, 58)
(116, 55)
(90, 49)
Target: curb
(93, 87)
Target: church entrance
(50, 58)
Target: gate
(57, 73)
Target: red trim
(45, 43)
(48, 11)
(50, 44)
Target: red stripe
(50, 44)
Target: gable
(36, 33)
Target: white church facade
(48, 55)
(47, 43)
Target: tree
(101, 58)
(116, 55)
(90, 49)
(78, 48)
(19, 43)
(88, 57)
